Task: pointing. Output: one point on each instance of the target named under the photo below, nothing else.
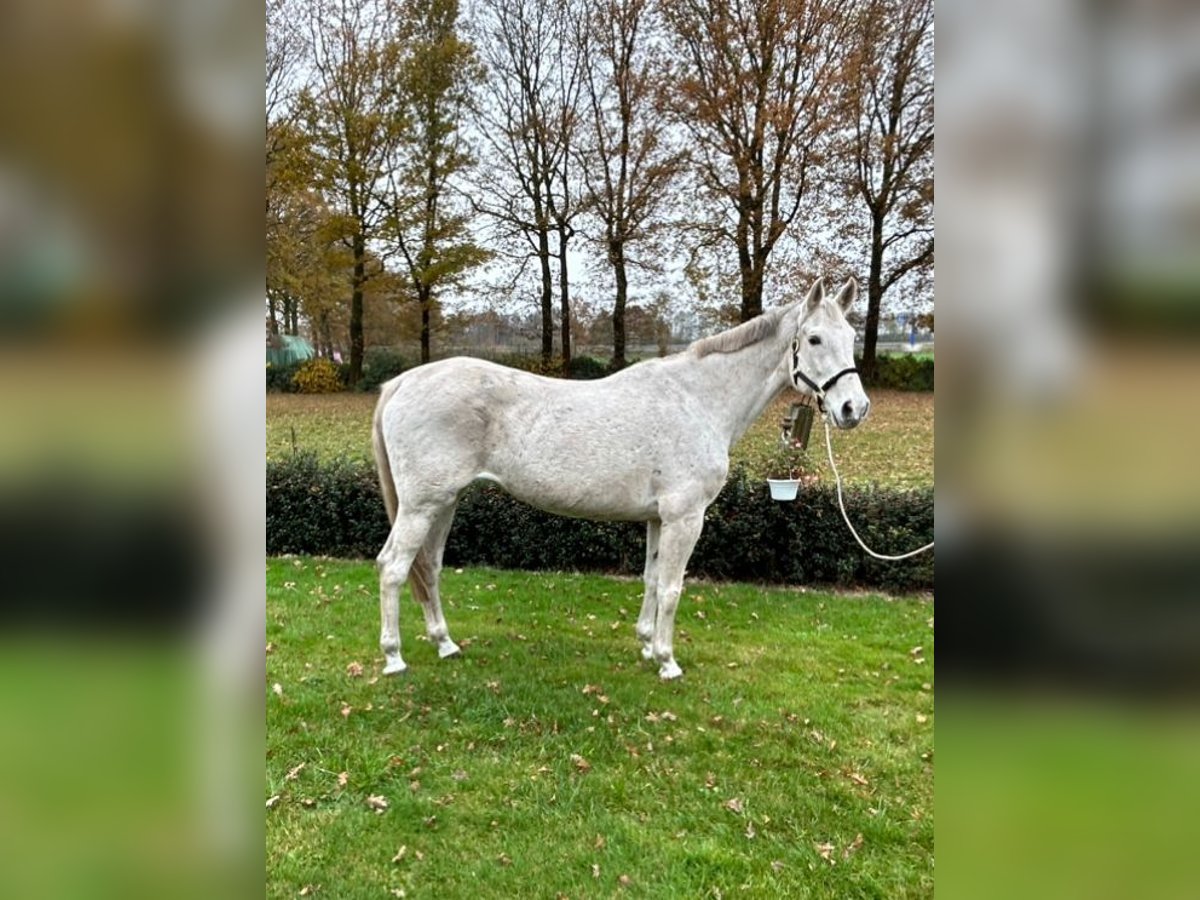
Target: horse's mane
(757, 329)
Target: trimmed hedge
(902, 372)
(336, 510)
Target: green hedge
(902, 372)
(336, 510)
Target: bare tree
(888, 97)
(527, 119)
(753, 95)
(350, 117)
(627, 157)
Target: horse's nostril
(847, 410)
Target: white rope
(842, 505)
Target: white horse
(647, 444)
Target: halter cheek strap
(817, 389)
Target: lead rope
(842, 506)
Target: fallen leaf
(504, 859)
(624, 881)
(309, 889)
(419, 855)
(343, 777)
(595, 870)
(398, 892)
(414, 785)
(293, 772)
(922, 719)
(710, 780)
(377, 802)
(669, 716)
(270, 647)
(591, 689)
(272, 800)
(278, 689)
(580, 763)
(401, 853)
(826, 851)
(459, 775)
(600, 842)
(776, 865)
(853, 846)
(354, 670)
(652, 717)
(346, 709)
(734, 804)
(750, 832)
(858, 779)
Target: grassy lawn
(893, 448)
(793, 759)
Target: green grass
(549, 760)
(893, 448)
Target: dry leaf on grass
(825, 850)
(343, 777)
(853, 846)
(354, 669)
(858, 779)
(377, 802)
(595, 870)
(294, 772)
(401, 853)
(734, 804)
(581, 764)
(272, 800)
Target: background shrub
(903, 372)
(279, 377)
(318, 376)
(335, 509)
(380, 364)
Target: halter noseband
(817, 389)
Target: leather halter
(817, 389)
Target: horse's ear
(847, 295)
(816, 294)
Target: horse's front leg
(676, 543)
(646, 619)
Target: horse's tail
(387, 484)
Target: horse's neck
(736, 387)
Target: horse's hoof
(669, 670)
(448, 648)
(394, 667)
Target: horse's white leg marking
(424, 577)
(394, 561)
(645, 622)
(675, 547)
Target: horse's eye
(814, 340)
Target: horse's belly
(593, 499)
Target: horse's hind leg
(645, 622)
(424, 578)
(394, 563)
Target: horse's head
(821, 360)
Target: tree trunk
(356, 311)
(426, 315)
(326, 338)
(271, 304)
(564, 293)
(751, 278)
(616, 253)
(547, 297)
(874, 299)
